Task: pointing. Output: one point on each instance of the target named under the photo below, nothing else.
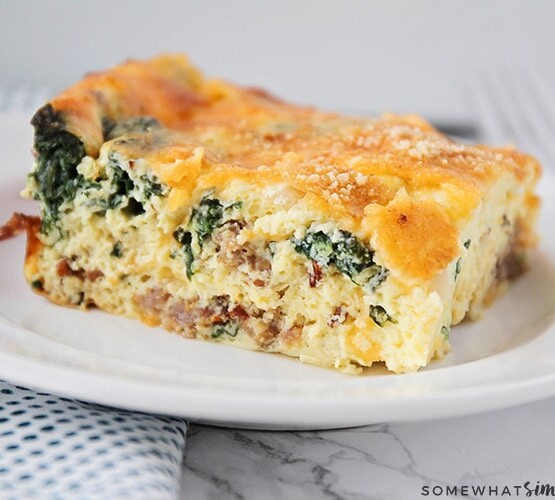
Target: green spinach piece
(58, 154)
(380, 315)
(151, 187)
(231, 328)
(349, 255)
(37, 284)
(458, 268)
(237, 205)
(185, 239)
(117, 250)
(445, 331)
(316, 246)
(207, 217)
(371, 277)
(122, 185)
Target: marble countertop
(509, 453)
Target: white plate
(505, 359)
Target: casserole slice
(225, 214)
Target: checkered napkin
(54, 447)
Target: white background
(402, 56)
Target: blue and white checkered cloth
(55, 447)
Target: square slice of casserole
(225, 214)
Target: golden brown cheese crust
(353, 169)
(421, 230)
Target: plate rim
(270, 413)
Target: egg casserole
(222, 213)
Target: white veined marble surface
(504, 452)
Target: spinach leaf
(117, 250)
(122, 185)
(458, 268)
(349, 255)
(151, 187)
(316, 246)
(380, 315)
(231, 328)
(371, 277)
(37, 284)
(58, 154)
(185, 239)
(207, 217)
